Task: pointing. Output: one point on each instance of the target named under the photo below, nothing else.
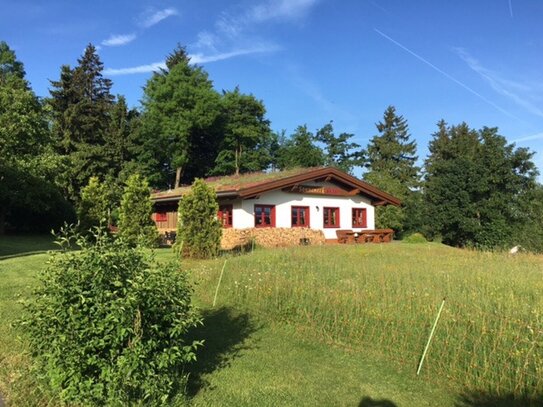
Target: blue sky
(312, 61)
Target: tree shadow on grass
(224, 333)
(370, 402)
(482, 399)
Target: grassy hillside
(344, 325)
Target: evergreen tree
(390, 161)
(299, 150)
(338, 151)
(199, 231)
(181, 123)
(81, 105)
(246, 135)
(135, 223)
(474, 186)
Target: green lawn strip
(275, 365)
(11, 245)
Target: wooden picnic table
(365, 236)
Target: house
(324, 199)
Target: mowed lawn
(342, 325)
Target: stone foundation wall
(270, 237)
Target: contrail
(511, 8)
(452, 78)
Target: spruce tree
(390, 163)
(81, 105)
(199, 231)
(135, 223)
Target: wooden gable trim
(332, 173)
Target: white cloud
(538, 136)
(156, 17)
(194, 58)
(280, 9)
(118, 40)
(524, 94)
(156, 66)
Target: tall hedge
(135, 223)
(198, 230)
(108, 325)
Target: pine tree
(180, 125)
(199, 231)
(390, 161)
(135, 223)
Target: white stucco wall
(243, 210)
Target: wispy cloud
(448, 76)
(154, 17)
(118, 40)
(538, 136)
(511, 8)
(526, 95)
(194, 58)
(279, 9)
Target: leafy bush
(199, 231)
(107, 325)
(415, 238)
(94, 206)
(135, 223)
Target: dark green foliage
(107, 325)
(528, 232)
(181, 123)
(135, 223)
(390, 161)
(81, 107)
(299, 150)
(199, 231)
(338, 151)
(29, 199)
(247, 135)
(475, 186)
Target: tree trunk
(178, 175)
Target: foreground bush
(107, 326)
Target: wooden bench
(345, 236)
(376, 236)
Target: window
(331, 217)
(225, 215)
(359, 218)
(264, 216)
(161, 217)
(299, 216)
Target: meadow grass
(384, 298)
(345, 322)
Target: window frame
(334, 209)
(364, 215)
(307, 216)
(230, 215)
(272, 215)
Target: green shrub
(107, 326)
(94, 206)
(199, 231)
(135, 223)
(415, 238)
